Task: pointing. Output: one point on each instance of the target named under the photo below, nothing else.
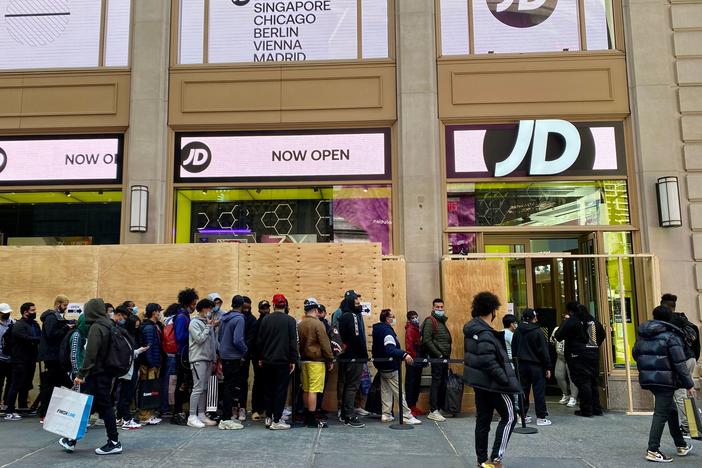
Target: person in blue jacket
(232, 351)
(150, 365)
(187, 300)
(386, 345)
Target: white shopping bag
(68, 413)
(212, 394)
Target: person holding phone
(203, 353)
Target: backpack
(6, 341)
(120, 353)
(169, 344)
(65, 352)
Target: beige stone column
(147, 152)
(418, 150)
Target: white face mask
(439, 312)
(394, 322)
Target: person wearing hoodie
(258, 402)
(78, 339)
(530, 347)
(488, 370)
(661, 361)
(436, 343)
(232, 350)
(202, 353)
(187, 299)
(93, 378)
(561, 371)
(385, 345)
(25, 336)
(150, 365)
(353, 338)
(250, 338)
(54, 328)
(413, 379)
(217, 312)
(583, 336)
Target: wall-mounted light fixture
(139, 208)
(668, 196)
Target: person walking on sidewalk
(386, 345)
(530, 347)
(202, 353)
(660, 358)
(436, 343)
(413, 379)
(232, 349)
(487, 369)
(54, 328)
(277, 343)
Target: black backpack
(120, 353)
(65, 352)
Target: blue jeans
(168, 369)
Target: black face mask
(32, 316)
(5, 317)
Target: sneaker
(279, 426)
(412, 421)
(565, 399)
(119, 421)
(179, 419)
(683, 451)
(41, 420)
(207, 421)
(109, 448)
(152, 421)
(543, 422)
(436, 416)
(353, 421)
(572, 402)
(13, 417)
(229, 425)
(527, 420)
(268, 422)
(416, 411)
(287, 411)
(99, 422)
(194, 421)
(686, 435)
(67, 444)
(339, 416)
(386, 418)
(255, 416)
(361, 412)
(657, 457)
(242, 414)
(131, 425)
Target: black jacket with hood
(577, 332)
(660, 356)
(25, 342)
(486, 365)
(352, 330)
(54, 328)
(98, 338)
(529, 345)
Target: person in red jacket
(413, 345)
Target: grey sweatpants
(680, 395)
(202, 370)
(561, 372)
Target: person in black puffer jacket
(487, 369)
(660, 357)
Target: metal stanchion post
(524, 429)
(401, 426)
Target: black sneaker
(180, 419)
(68, 445)
(109, 448)
(165, 414)
(353, 421)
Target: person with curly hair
(187, 300)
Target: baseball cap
(311, 303)
(237, 301)
(5, 308)
(152, 307)
(322, 308)
(279, 300)
(350, 292)
(264, 304)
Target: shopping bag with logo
(212, 393)
(68, 413)
(149, 396)
(693, 411)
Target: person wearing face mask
(24, 342)
(54, 328)
(386, 345)
(131, 307)
(203, 353)
(487, 369)
(353, 336)
(232, 349)
(5, 367)
(436, 344)
(217, 311)
(258, 403)
(413, 378)
(150, 365)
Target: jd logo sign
(195, 157)
(3, 159)
(555, 146)
(522, 13)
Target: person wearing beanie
(232, 349)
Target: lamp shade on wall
(668, 196)
(139, 208)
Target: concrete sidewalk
(614, 440)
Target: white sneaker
(268, 422)
(386, 418)
(436, 416)
(152, 421)
(527, 420)
(229, 425)
(99, 422)
(193, 421)
(564, 400)
(242, 414)
(361, 412)
(13, 417)
(207, 421)
(130, 425)
(572, 402)
(543, 422)
(279, 426)
(412, 421)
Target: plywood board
(395, 292)
(15, 277)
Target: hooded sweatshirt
(203, 343)
(578, 332)
(216, 314)
(529, 345)
(232, 337)
(660, 356)
(352, 330)
(98, 338)
(78, 340)
(54, 328)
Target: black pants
(100, 387)
(18, 386)
(437, 392)
(486, 403)
(244, 383)
(127, 392)
(532, 375)
(585, 375)
(184, 383)
(350, 373)
(53, 376)
(277, 379)
(413, 382)
(258, 401)
(231, 391)
(665, 411)
(5, 380)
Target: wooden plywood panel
(156, 273)
(15, 277)
(463, 279)
(395, 292)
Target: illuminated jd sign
(535, 134)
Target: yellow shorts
(313, 377)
